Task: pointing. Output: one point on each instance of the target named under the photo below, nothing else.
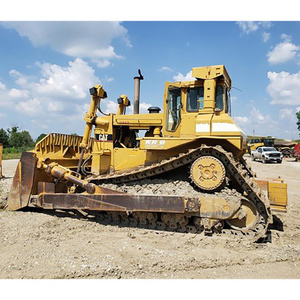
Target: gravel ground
(44, 245)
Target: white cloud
(257, 117)
(257, 121)
(37, 123)
(284, 51)
(286, 113)
(30, 107)
(110, 106)
(56, 99)
(78, 39)
(165, 69)
(288, 120)
(2, 86)
(284, 88)
(108, 79)
(15, 93)
(55, 106)
(20, 78)
(248, 27)
(59, 89)
(181, 77)
(4, 101)
(266, 36)
(72, 82)
(144, 107)
(102, 63)
(242, 121)
(9, 96)
(252, 26)
(286, 38)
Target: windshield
(269, 149)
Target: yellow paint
(276, 190)
(254, 146)
(132, 155)
(208, 173)
(113, 147)
(278, 194)
(212, 72)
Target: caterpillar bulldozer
(194, 136)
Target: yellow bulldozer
(194, 137)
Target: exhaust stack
(136, 104)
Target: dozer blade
(23, 181)
(276, 190)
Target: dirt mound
(159, 186)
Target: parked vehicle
(256, 142)
(267, 154)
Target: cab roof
(211, 72)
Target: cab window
(195, 99)
(173, 108)
(227, 102)
(219, 97)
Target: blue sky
(46, 69)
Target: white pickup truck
(266, 154)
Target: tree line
(18, 140)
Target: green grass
(13, 153)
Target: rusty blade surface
(112, 202)
(22, 183)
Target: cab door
(172, 109)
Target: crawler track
(237, 171)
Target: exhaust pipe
(136, 104)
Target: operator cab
(194, 97)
